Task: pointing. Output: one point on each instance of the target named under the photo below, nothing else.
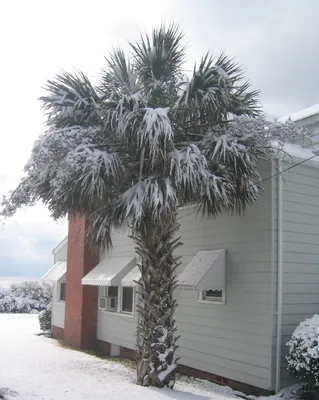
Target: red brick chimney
(81, 300)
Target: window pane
(214, 293)
(127, 299)
(62, 291)
(102, 303)
(112, 291)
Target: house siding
(300, 251)
(61, 254)
(114, 328)
(58, 309)
(231, 340)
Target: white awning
(206, 270)
(132, 277)
(55, 273)
(109, 272)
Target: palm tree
(128, 152)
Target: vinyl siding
(231, 340)
(114, 328)
(61, 254)
(300, 251)
(58, 309)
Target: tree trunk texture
(156, 328)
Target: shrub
(45, 320)
(6, 301)
(303, 353)
(25, 297)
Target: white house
(244, 284)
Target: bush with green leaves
(45, 320)
(303, 353)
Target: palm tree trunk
(156, 327)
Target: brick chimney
(81, 300)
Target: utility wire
(289, 168)
(266, 179)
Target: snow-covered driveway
(38, 368)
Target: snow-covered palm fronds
(88, 178)
(145, 204)
(158, 61)
(118, 77)
(214, 91)
(72, 100)
(188, 170)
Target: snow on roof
(110, 271)
(60, 245)
(302, 114)
(55, 273)
(194, 274)
(293, 153)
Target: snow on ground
(37, 368)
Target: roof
(110, 271)
(132, 277)
(195, 273)
(302, 114)
(293, 153)
(60, 245)
(55, 273)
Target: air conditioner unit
(111, 303)
(102, 302)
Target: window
(112, 298)
(212, 295)
(117, 299)
(127, 299)
(62, 292)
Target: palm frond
(145, 204)
(88, 178)
(118, 77)
(187, 170)
(246, 193)
(99, 231)
(216, 196)
(158, 60)
(71, 100)
(214, 92)
(147, 129)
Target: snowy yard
(38, 368)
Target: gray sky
(275, 41)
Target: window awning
(55, 273)
(110, 271)
(206, 270)
(132, 277)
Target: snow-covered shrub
(25, 297)
(6, 301)
(303, 353)
(45, 320)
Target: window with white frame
(127, 299)
(62, 289)
(117, 299)
(109, 299)
(212, 295)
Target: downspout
(279, 275)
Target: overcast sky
(275, 41)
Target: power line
(287, 169)
(266, 179)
